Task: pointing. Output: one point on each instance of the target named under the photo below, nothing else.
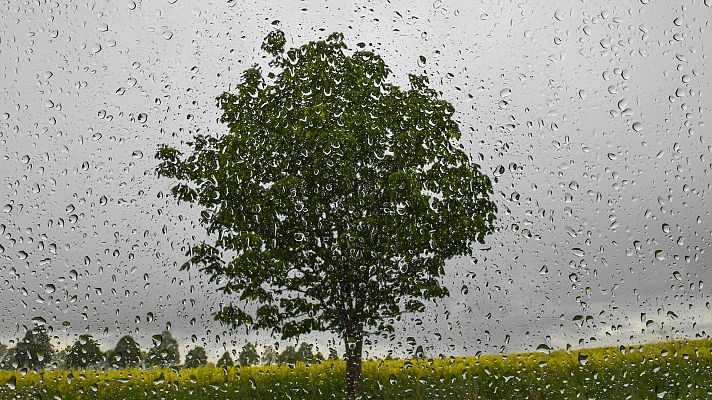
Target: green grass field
(667, 370)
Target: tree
(333, 354)
(248, 355)
(305, 353)
(196, 358)
(335, 198)
(318, 358)
(269, 355)
(164, 352)
(60, 357)
(5, 355)
(225, 360)
(126, 353)
(288, 355)
(8, 359)
(35, 350)
(85, 353)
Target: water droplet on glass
(659, 255)
(11, 382)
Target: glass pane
(345, 190)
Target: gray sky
(592, 115)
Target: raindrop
(12, 382)
(543, 348)
(623, 104)
(659, 255)
(578, 252)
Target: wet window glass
(344, 200)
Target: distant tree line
(35, 351)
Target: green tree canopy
(225, 360)
(84, 353)
(126, 353)
(269, 355)
(248, 355)
(164, 352)
(7, 358)
(34, 350)
(196, 357)
(333, 354)
(335, 198)
(288, 356)
(305, 353)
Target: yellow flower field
(667, 370)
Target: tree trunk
(354, 379)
